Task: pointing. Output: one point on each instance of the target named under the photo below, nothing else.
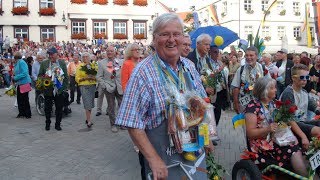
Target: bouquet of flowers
(11, 91)
(284, 112)
(90, 69)
(247, 88)
(212, 79)
(43, 83)
(312, 150)
(215, 170)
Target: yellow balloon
(218, 40)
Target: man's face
(240, 54)
(168, 41)
(299, 79)
(111, 53)
(54, 56)
(203, 46)
(278, 56)
(40, 58)
(186, 46)
(265, 59)
(251, 58)
(214, 53)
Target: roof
(183, 16)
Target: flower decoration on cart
(44, 82)
(313, 155)
(11, 91)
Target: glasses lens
(307, 77)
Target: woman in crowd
(233, 66)
(22, 80)
(87, 84)
(314, 84)
(131, 56)
(5, 72)
(260, 124)
(296, 59)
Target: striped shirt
(143, 104)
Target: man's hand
(305, 143)
(210, 90)
(158, 168)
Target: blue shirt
(21, 73)
(144, 101)
(35, 70)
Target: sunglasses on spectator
(307, 77)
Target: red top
(127, 68)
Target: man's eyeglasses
(135, 49)
(306, 78)
(168, 35)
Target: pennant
(238, 120)
(213, 14)
(309, 41)
(305, 21)
(269, 9)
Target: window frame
(48, 27)
(21, 27)
(145, 27)
(1, 32)
(248, 27)
(264, 6)
(280, 8)
(247, 5)
(265, 33)
(278, 32)
(311, 29)
(53, 4)
(79, 21)
(99, 21)
(225, 7)
(296, 31)
(13, 3)
(120, 21)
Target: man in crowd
(272, 68)
(56, 68)
(41, 55)
(72, 74)
(109, 84)
(186, 45)
(199, 56)
(284, 72)
(245, 78)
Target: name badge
(245, 100)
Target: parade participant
(284, 72)
(186, 48)
(142, 109)
(36, 67)
(260, 124)
(87, 85)
(296, 59)
(245, 78)
(315, 75)
(72, 74)
(22, 80)
(272, 68)
(108, 77)
(304, 128)
(57, 70)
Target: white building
(286, 18)
(72, 19)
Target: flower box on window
(139, 36)
(119, 36)
(297, 13)
(100, 35)
(120, 2)
(223, 14)
(78, 36)
(79, 1)
(47, 11)
(48, 40)
(283, 12)
(21, 10)
(250, 11)
(267, 38)
(266, 12)
(298, 38)
(101, 2)
(140, 2)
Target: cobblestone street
(27, 151)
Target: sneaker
(114, 129)
(98, 113)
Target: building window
(100, 29)
(296, 32)
(247, 5)
(248, 30)
(264, 5)
(120, 27)
(280, 6)
(47, 34)
(296, 7)
(21, 32)
(139, 29)
(312, 32)
(78, 27)
(46, 3)
(265, 31)
(281, 32)
(18, 3)
(225, 7)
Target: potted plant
(101, 2)
(283, 12)
(140, 2)
(79, 1)
(78, 36)
(250, 11)
(298, 38)
(223, 14)
(20, 10)
(297, 13)
(267, 38)
(266, 12)
(48, 40)
(120, 2)
(47, 11)
(139, 36)
(100, 35)
(119, 36)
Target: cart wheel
(245, 170)
(40, 104)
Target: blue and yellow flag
(238, 120)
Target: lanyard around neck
(268, 115)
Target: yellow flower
(216, 178)
(46, 83)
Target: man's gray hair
(252, 48)
(262, 87)
(128, 51)
(42, 53)
(163, 19)
(85, 54)
(186, 35)
(203, 37)
(267, 55)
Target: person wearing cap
(55, 68)
(284, 72)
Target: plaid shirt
(143, 104)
